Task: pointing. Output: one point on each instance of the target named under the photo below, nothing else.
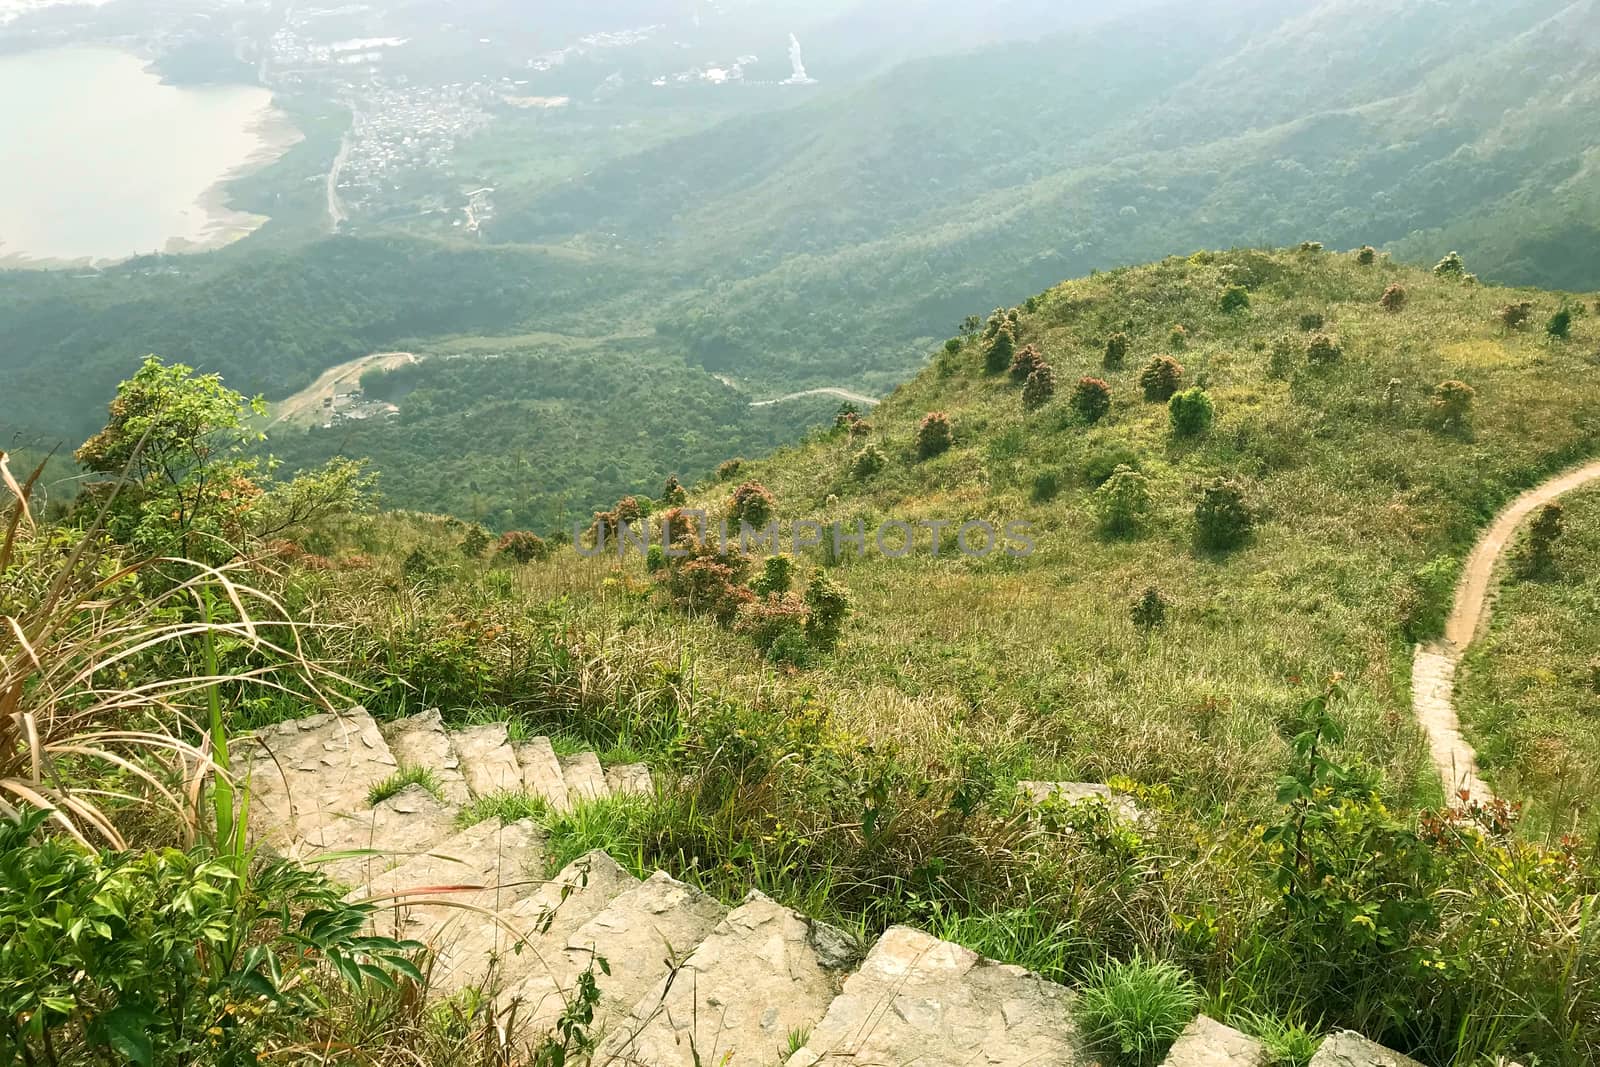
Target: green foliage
(1539, 554)
(708, 583)
(522, 546)
(1323, 351)
(1516, 315)
(1136, 1009)
(1451, 406)
(171, 957)
(1091, 399)
(869, 461)
(1312, 321)
(729, 469)
(673, 494)
(1451, 266)
(1223, 517)
(1040, 387)
(1192, 412)
(773, 617)
(476, 542)
(1046, 486)
(1002, 349)
(829, 604)
(1425, 599)
(1027, 360)
(1123, 502)
(1235, 298)
(1366, 255)
(1117, 347)
(934, 435)
(1288, 1044)
(1150, 610)
(776, 577)
(1560, 324)
(506, 805)
(406, 776)
(1104, 459)
(1160, 379)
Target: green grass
(1529, 688)
(1289, 1044)
(426, 777)
(508, 806)
(1136, 1010)
(612, 824)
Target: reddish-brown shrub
(934, 434)
(752, 504)
(1025, 362)
(1091, 398)
(1394, 298)
(1160, 379)
(522, 546)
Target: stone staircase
(685, 981)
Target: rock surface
(421, 741)
(629, 778)
(541, 773)
(757, 979)
(1346, 1049)
(396, 831)
(586, 779)
(1077, 793)
(950, 1005)
(1208, 1043)
(488, 761)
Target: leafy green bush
(1323, 351)
(673, 494)
(1191, 412)
(753, 505)
(1234, 298)
(777, 575)
(829, 603)
(1150, 610)
(1025, 362)
(476, 542)
(934, 434)
(1451, 266)
(1104, 460)
(172, 958)
(1424, 602)
(1001, 351)
(1117, 347)
(1160, 379)
(1123, 501)
(1312, 321)
(1560, 325)
(1366, 255)
(1136, 1009)
(768, 620)
(869, 461)
(1452, 404)
(522, 546)
(1223, 517)
(729, 469)
(1178, 338)
(1046, 486)
(1091, 399)
(1040, 387)
(1393, 299)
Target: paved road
(842, 394)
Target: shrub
(1137, 1009)
(777, 575)
(751, 505)
(1366, 255)
(476, 542)
(768, 620)
(673, 494)
(708, 583)
(1516, 316)
(1160, 379)
(953, 346)
(1178, 338)
(995, 323)
(847, 415)
(1117, 347)
(729, 469)
(1393, 299)
(1150, 610)
(1041, 386)
(1123, 501)
(934, 435)
(1046, 486)
(1235, 298)
(1451, 266)
(1312, 321)
(1001, 351)
(1091, 398)
(867, 462)
(628, 510)
(1222, 516)
(1283, 360)
(1104, 461)
(829, 604)
(1025, 362)
(1323, 351)
(1545, 530)
(1310, 246)
(1192, 412)
(678, 528)
(603, 530)
(1560, 325)
(1425, 599)
(522, 546)
(1452, 405)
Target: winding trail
(1433, 669)
(842, 394)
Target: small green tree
(1150, 610)
(1223, 517)
(1191, 412)
(776, 577)
(673, 494)
(1452, 404)
(1160, 379)
(1451, 266)
(1560, 324)
(1123, 501)
(1118, 346)
(1040, 387)
(476, 542)
(1366, 255)
(934, 434)
(1091, 398)
(1001, 351)
(829, 603)
(1323, 351)
(1235, 298)
(869, 461)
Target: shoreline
(276, 134)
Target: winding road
(1433, 668)
(842, 394)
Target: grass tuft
(511, 805)
(1136, 1010)
(401, 779)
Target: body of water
(103, 161)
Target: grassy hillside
(1529, 690)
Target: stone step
(497, 952)
(630, 779)
(1208, 1043)
(400, 828)
(1346, 1049)
(762, 976)
(641, 935)
(1077, 793)
(916, 997)
(541, 773)
(421, 741)
(309, 780)
(476, 873)
(488, 762)
(586, 780)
